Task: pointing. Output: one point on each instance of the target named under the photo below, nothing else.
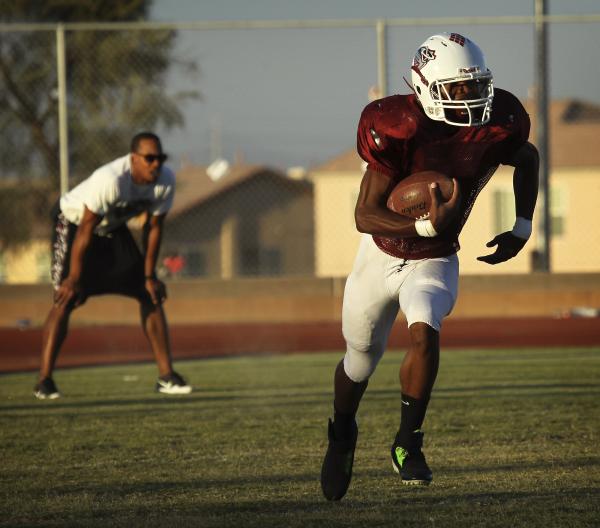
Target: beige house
(251, 221)
(28, 261)
(575, 187)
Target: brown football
(411, 196)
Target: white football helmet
(445, 59)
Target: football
(411, 196)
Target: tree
(115, 85)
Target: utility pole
(382, 80)
(541, 103)
(63, 134)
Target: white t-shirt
(110, 192)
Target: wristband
(425, 228)
(153, 276)
(522, 228)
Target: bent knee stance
(360, 363)
(365, 341)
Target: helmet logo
(459, 39)
(423, 56)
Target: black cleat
(336, 472)
(410, 461)
(46, 390)
(172, 384)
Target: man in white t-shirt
(94, 253)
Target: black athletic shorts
(113, 263)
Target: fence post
(382, 80)
(541, 92)
(63, 134)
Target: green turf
(511, 436)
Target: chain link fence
(259, 121)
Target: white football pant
(378, 286)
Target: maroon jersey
(396, 138)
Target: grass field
(511, 435)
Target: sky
(180, 10)
(293, 97)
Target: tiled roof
(349, 161)
(194, 186)
(574, 133)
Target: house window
(504, 210)
(558, 210)
(195, 264)
(261, 261)
(271, 261)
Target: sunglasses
(151, 158)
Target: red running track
(102, 345)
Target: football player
(456, 123)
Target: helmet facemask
(464, 112)
(444, 61)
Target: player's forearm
(152, 249)
(371, 213)
(526, 182)
(383, 222)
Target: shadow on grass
(181, 486)
(278, 398)
(517, 467)
(185, 505)
(278, 483)
(491, 391)
(168, 402)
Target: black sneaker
(337, 466)
(172, 384)
(410, 461)
(46, 390)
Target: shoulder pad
(395, 117)
(506, 108)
